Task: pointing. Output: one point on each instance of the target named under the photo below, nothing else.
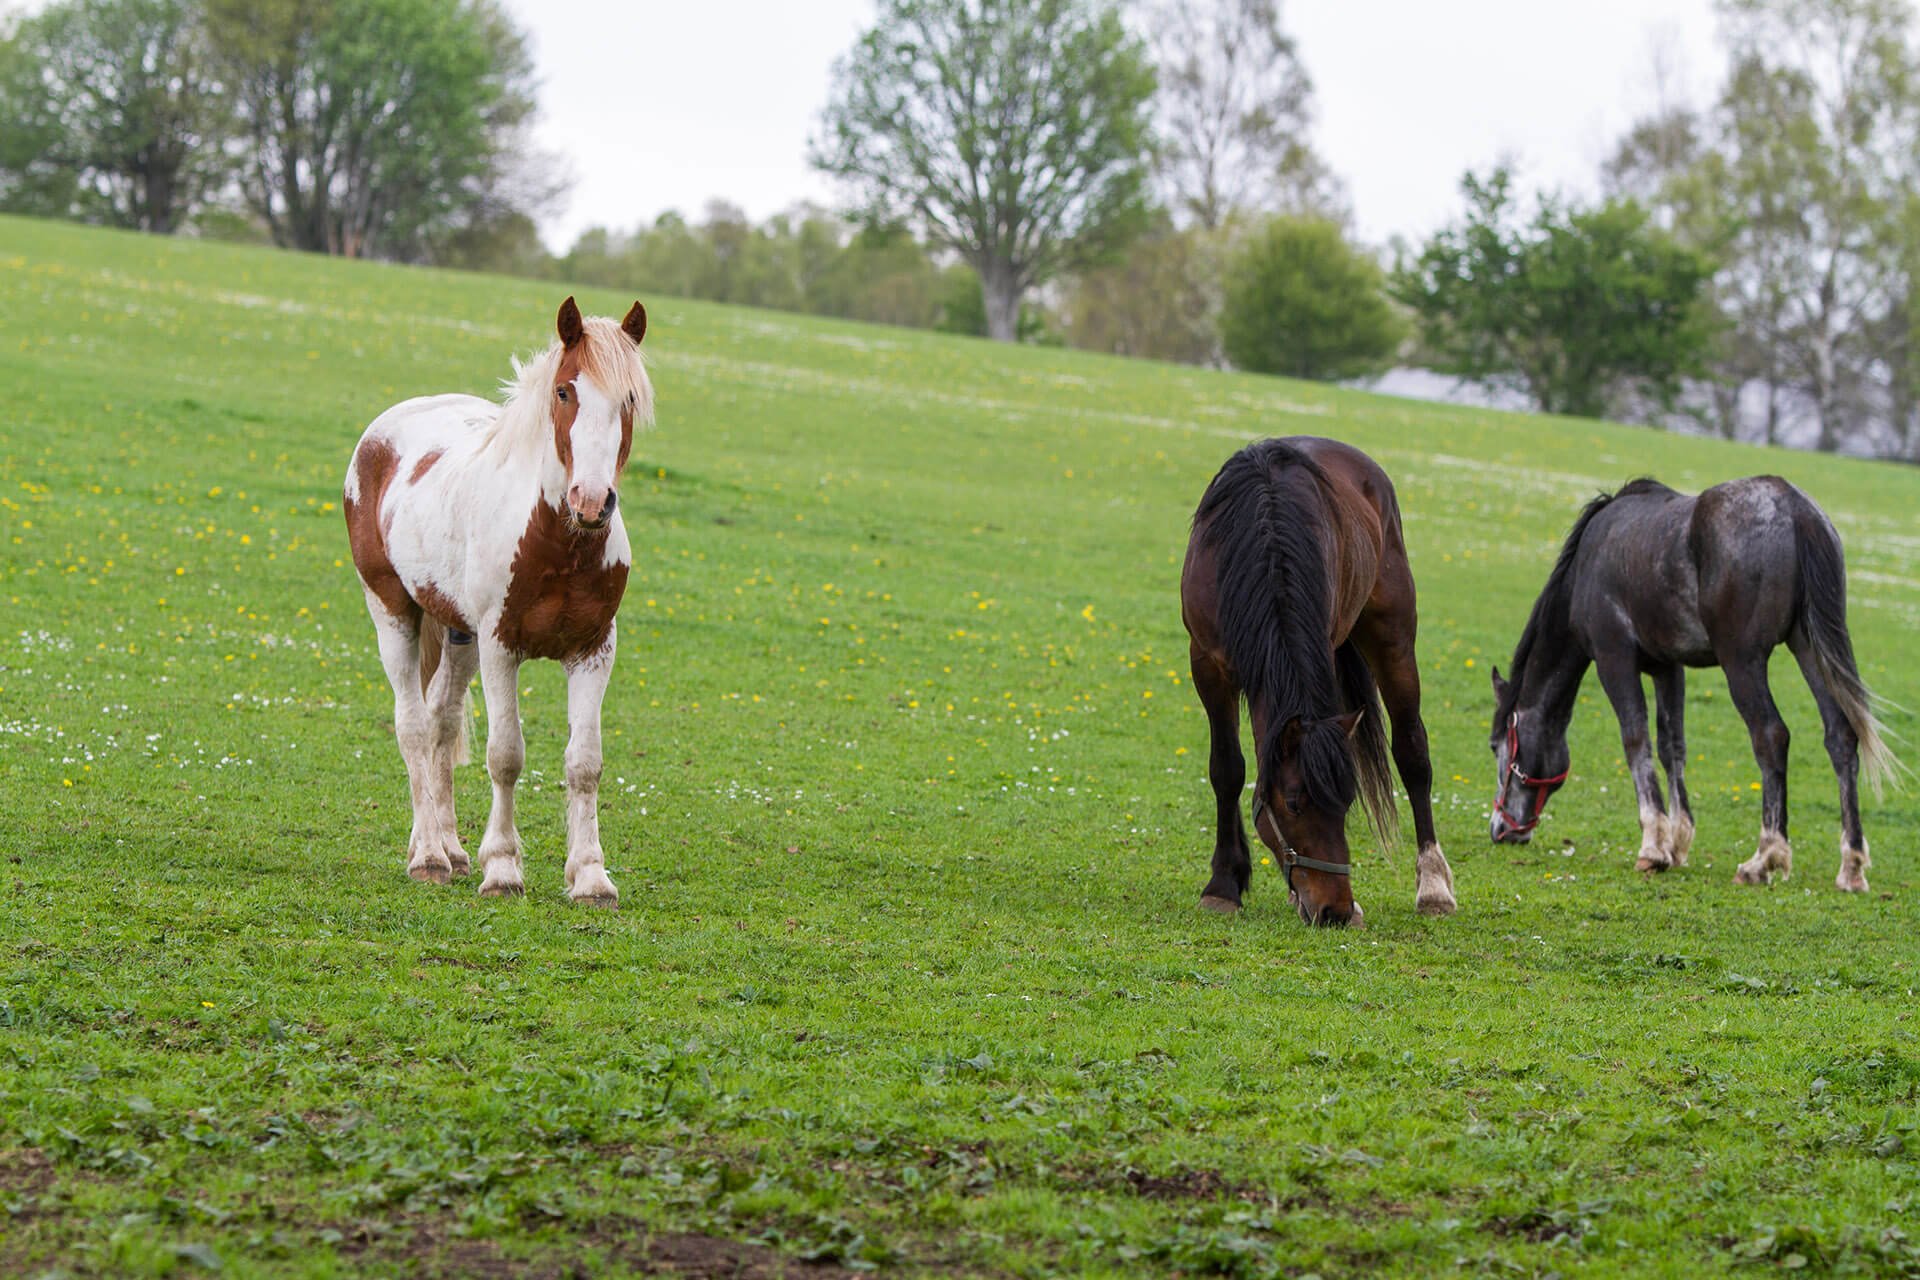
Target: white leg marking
(1853, 867)
(506, 753)
(586, 865)
(1774, 856)
(1654, 841)
(1679, 836)
(1433, 895)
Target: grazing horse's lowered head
(1530, 761)
(1306, 785)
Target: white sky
(663, 104)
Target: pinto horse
(1654, 581)
(486, 534)
(1297, 593)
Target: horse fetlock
(1213, 902)
(1853, 869)
(1773, 858)
(1433, 894)
(1679, 838)
(587, 882)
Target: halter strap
(1515, 773)
(1291, 857)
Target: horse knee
(583, 770)
(505, 759)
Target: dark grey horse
(1655, 581)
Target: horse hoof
(502, 889)
(1435, 905)
(1743, 876)
(431, 873)
(1856, 885)
(605, 901)
(1220, 906)
(462, 865)
(1650, 867)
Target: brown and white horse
(486, 534)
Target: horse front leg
(586, 864)
(1620, 677)
(1227, 770)
(1747, 684)
(1670, 697)
(1397, 673)
(500, 870)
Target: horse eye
(561, 392)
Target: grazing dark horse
(1655, 581)
(1297, 592)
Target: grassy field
(906, 800)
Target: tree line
(1140, 180)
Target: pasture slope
(906, 800)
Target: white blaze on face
(596, 447)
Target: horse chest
(563, 591)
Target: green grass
(906, 800)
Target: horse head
(1530, 761)
(1301, 813)
(599, 385)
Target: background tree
(1013, 131)
(1160, 301)
(111, 112)
(1579, 308)
(1302, 302)
(373, 125)
(1235, 106)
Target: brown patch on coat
(566, 406)
(441, 607)
(374, 464)
(562, 595)
(425, 464)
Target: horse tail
(1359, 693)
(1823, 623)
(433, 642)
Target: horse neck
(523, 445)
(1556, 663)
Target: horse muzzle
(1501, 831)
(591, 510)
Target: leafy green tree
(1015, 132)
(374, 125)
(111, 113)
(1579, 308)
(1302, 302)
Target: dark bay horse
(1655, 581)
(1297, 593)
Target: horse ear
(1499, 685)
(569, 324)
(1350, 722)
(635, 325)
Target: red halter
(1514, 773)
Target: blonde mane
(607, 357)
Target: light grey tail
(1823, 620)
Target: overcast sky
(665, 104)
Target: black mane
(1550, 619)
(1265, 518)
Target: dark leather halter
(1515, 774)
(1289, 856)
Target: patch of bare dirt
(25, 1170)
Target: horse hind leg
(1670, 692)
(1227, 771)
(1843, 748)
(413, 729)
(1747, 684)
(446, 671)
